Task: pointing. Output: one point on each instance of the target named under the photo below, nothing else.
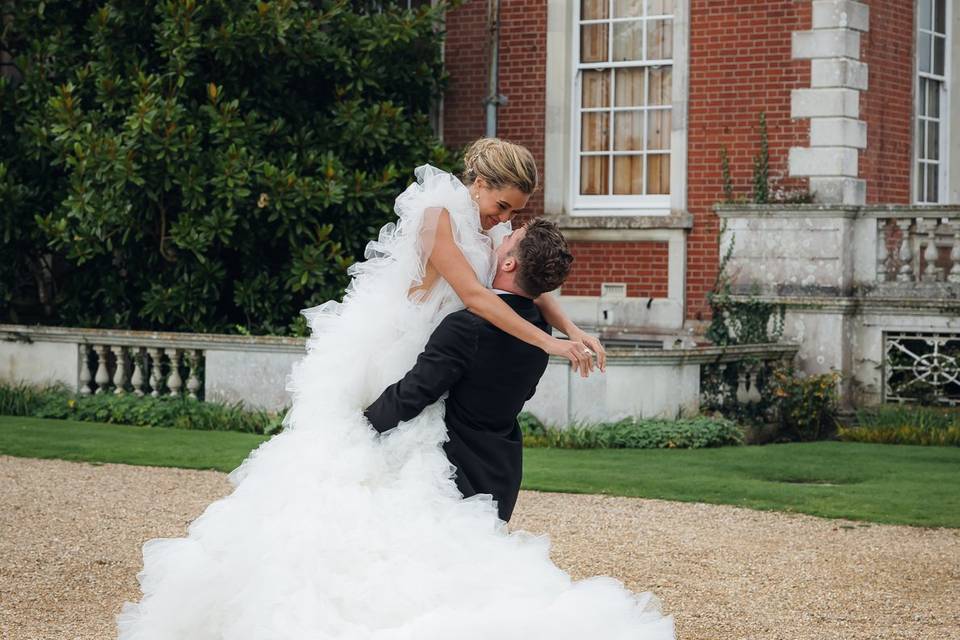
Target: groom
(489, 374)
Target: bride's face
(496, 205)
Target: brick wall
(466, 53)
(740, 65)
(642, 266)
(887, 105)
(523, 63)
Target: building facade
(630, 106)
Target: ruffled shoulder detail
(397, 259)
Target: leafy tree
(205, 165)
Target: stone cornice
(835, 211)
(850, 305)
(675, 221)
(122, 337)
(696, 355)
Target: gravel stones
(70, 538)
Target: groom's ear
(509, 264)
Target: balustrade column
(174, 381)
(102, 377)
(954, 276)
(120, 373)
(136, 380)
(193, 382)
(882, 254)
(905, 254)
(154, 354)
(85, 378)
(931, 271)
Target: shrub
(694, 433)
(165, 411)
(905, 425)
(22, 399)
(202, 165)
(806, 405)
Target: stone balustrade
(142, 370)
(213, 367)
(923, 247)
(658, 377)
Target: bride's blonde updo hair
(502, 164)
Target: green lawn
(880, 483)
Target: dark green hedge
(204, 165)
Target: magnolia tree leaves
(205, 166)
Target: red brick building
(627, 104)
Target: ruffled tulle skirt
(334, 532)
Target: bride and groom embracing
(352, 523)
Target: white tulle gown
(333, 532)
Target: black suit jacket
(489, 375)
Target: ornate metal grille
(922, 367)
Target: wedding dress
(333, 532)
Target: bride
(334, 532)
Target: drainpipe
(494, 99)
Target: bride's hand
(579, 355)
(593, 343)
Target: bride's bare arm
(554, 314)
(451, 264)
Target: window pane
(940, 16)
(628, 131)
(932, 183)
(593, 43)
(933, 140)
(628, 40)
(627, 8)
(595, 131)
(659, 39)
(922, 106)
(629, 87)
(593, 175)
(659, 7)
(933, 99)
(925, 14)
(658, 129)
(628, 175)
(658, 174)
(593, 9)
(661, 85)
(921, 139)
(938, 48)
(921, 181)
(596, 89)
(923, 51)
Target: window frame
(656, 205)
(943, 160)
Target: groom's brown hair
(543, 256)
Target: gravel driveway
(70, 536)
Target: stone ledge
(858, 304)
(786, 211)
(773, 210)
(696, 355)
(675, 221)
(163, 339)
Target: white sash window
(622, 92)
(931, 135)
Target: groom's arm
(443, 362)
